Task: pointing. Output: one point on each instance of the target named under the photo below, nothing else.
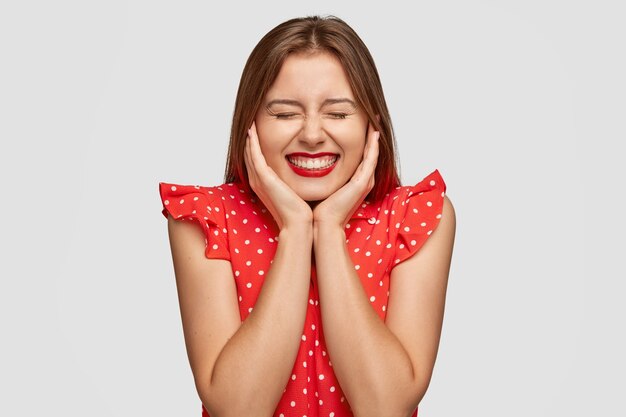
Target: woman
(316, 283)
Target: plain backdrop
(519, 104)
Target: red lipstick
(312, 172)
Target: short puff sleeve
(418, 210)
(194, 203)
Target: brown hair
(312, 34)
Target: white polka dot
(312, 327)
(293, 403)
(357, 267)
(407, 228)
(413, 243)
(240, 298)
(259, 251)
(378, 242)
(166, 202)
(321, 377)
(233, 212)
(317, 342)
(248, 263)
(415, 210)
(304, 364)
(247, 242)
(384, 308)
(249, 285)
(195, 199)
(356, 250)
(257, 230)
(429, 203)
(303, 338)
(261, 272)
(432, 182)
(245, 221)
(429, 232)
(368, 253)
(304, 391)
(423, 224)
(397, 225)
(182, 201)
(215, 246)
(369, 275)
(401, 245)
(372, 298)
(310, 353)
(388, 245)
(332, 389)
(438, 216)
(331, 413)
(173, 188)
(358, 229)
(293, 377)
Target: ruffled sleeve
(194, 203)
(417, 212)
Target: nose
(312, 133)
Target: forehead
(310, 76)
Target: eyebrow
(297, 103)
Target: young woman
(315, 285)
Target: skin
(241, 368)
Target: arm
(384, 368)
(240, 368)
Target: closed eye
(284, 115)
(339, 115)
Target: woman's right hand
(287, 208)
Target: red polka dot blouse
(379, 236)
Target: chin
(313, 194)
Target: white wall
(520, 105)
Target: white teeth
(313, 163)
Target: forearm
(252, 370)
(370, 363)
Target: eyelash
(338, 116)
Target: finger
(255, 149)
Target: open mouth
(308, 163)
(312, 165)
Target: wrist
(323, 230)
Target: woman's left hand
(337, 209)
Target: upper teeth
(312, 163)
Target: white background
(520, 105)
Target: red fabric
(379, 236)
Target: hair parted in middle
(310, 35)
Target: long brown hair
(311, 34)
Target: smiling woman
(315, 284)
(311, 132)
